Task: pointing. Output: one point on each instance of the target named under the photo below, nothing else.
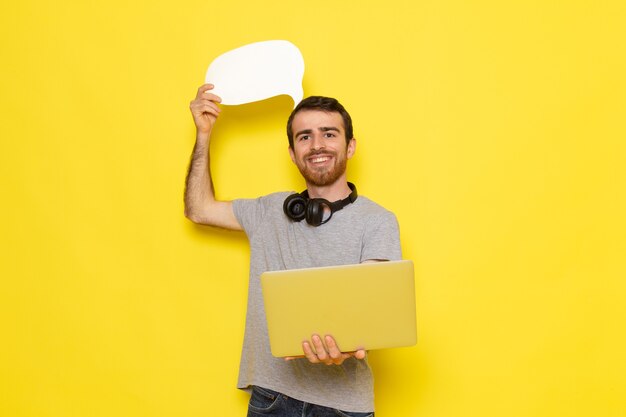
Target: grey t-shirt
(360, 231)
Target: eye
(329, 135)
(304, 137)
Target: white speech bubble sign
(257, 71)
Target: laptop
(364, 306)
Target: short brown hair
(326, 104)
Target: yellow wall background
(495, 130)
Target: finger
(204, 88)
(202, 109)
(290, 358)
(360, 354)
(211, 96)
(308, 352)
(200, 105)
(333, 349)
(320, 349)
(210, 99)
(206, 99)
(205, 103)
(205, 92)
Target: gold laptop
(365, 306)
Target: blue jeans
(265, 402)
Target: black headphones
(300, 206)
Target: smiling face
(319, 146)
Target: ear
(351, 148)
(292, 155)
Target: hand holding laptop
(328, 353)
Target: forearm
(201, 206)
(199, 193)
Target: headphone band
(339, 204)
(299, 206)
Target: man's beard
(323, 177)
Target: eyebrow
(323, 129)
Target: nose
(317, 142)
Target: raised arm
(200, 204)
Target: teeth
(320, 159)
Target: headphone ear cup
(295, 207)
(314, 212)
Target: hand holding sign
(258, 71)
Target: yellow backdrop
(495, 131)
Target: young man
(327, 224)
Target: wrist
(203, 137)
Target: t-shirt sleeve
(382, 239)
(249, 213)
